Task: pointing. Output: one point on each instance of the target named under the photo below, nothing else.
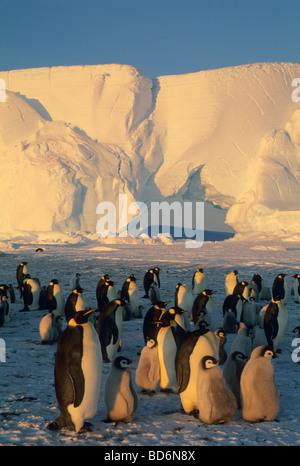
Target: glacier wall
(71, 137)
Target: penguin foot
(194, 413)
(55, 425)
(25, 309)
(87, 427)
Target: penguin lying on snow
(260, 397)
(120, 399)
(78, 372)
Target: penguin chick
(260, 397)
(50, 328)
(120, 399)
(243, 340)
(216, 402)
(232, 372)
(147, 373)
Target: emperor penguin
(75, 302)
(181, 317)
(232, 372)
(275, 323)
(184, 297)
(230, 282)
(149, 278)
(147, 373)
(3, 307)
(198, 281)
(31, 293)
(50, 328)
(157, 274)
(55, 298)
(130, 292)
(249, 312)
(109, 328)
(260, 397)
(22, 270)
(6, 297)
(197, 344)
(235, 303)
(258, 281)
(216, 402)
(105, 292)
(230, 324)
(222, 339)
(78, 373)
(120, 398)
(279, 288)
(75, 281)
(241, 288)
(296, 288)
(243, 340)
(150, 328)
(169, 338)
(154, 293)
(204, 301)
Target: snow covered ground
(27, 395)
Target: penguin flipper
(27, 295)
(77, 377)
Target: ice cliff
(71, 137)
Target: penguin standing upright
(3, 306)
(199, 343)
(75, 302)
(50, 328)
(105, 292)
(235, 304)
(204, 301)
(259, 282)
(120, 398)
(150, 328)
(241, 289)
(22, 270)
(31, 293)
(5, 293)
(230, 282)
(157, 275)
(243, 340)
(216, 402)
(109, 328)
(296, 288)
(275, 323)
(55, 298)
(130, 293)
(232, 372)
(184, 297)
(279, 288)
(78, 373)
(260, 397)
(198, 281)
(169, 339)
(75, 281)
(150, 277)
(154, 293)
(147, 373)
(221, 337)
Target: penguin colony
(183, 354)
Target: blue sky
(160, 37)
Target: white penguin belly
(166, 354)
(35, 290)
(80, 303)
(91, 365)
(134, 298)
(60, 302)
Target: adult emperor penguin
(260, 397)
(109, 328)
(198, 281)
(275, 323)
(279, 288)
(75, 302)
(196, 344)
(147, 373)
(55, 298)
(235, 303)
(3, 306)
(105, 292)
(31, 293)
(257, 279)
(232, 372)
(241, 289)
(204, 301)
(75, 281)
(296, 287)
(22, 270)
(181, 317)
(120, 398)
(150, 328)
(78, 373)
(6, 297)
(149, 277)
(130, 292)
(50, 328)
(184, 297)
(230, 282)
(169, 339)
(216, 402)
(154, 293)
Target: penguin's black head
(162, 304)
(78, 290)
(166, 318)
(132, 278)
(235, 272)
(238, 356)
(208, 362)
(281, 276)
(200, 270)
(121, 362)
(221, 333)
(177, 310)
(81, 317)
(208, 292)
(296, 330)
(157, 269)
(54, 281)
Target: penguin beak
(89, 311)
(274, 356)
